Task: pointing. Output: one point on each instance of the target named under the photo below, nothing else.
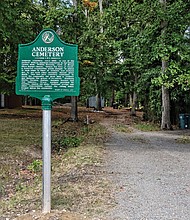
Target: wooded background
(136, 52)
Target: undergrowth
(146, 126)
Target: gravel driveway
(150, 175)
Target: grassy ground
(80, 189)
(78, 184)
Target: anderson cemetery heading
(48, 51)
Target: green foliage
(20, 21)
(63, 143)
(35, 166)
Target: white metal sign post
(46, 127)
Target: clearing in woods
(104, 170)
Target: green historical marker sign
(47, 67)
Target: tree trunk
(98, 96)
(30, 101)
(98, 102)
(130, 100)
(25, 100)
(112, 99)
(166, 123)
(134, 104)
(126, 100)
(101, 12)
(74, 112)
(134, 98)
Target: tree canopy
(122, 45)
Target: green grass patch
(122, 128)
(147, 126)
(35, 166)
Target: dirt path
(150, 174)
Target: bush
(65, 143)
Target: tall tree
(166, 122)
(20, 22)
(74, 110)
